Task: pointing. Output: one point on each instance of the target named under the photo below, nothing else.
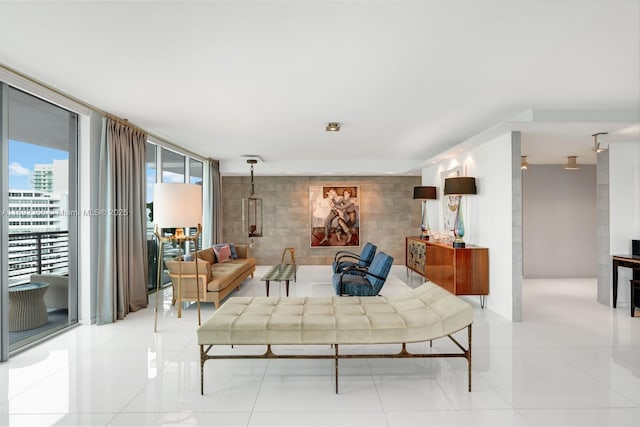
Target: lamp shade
(177, 205)
(423, 193)
(460, 185)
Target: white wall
(559, 207)
(488, 215)
(89, 155)
(624, 208)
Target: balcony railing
(37, 253)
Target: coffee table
(281, 272)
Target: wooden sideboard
(462, 271)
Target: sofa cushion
(224, 274)
(207, 255)
(425, 313)
(223, 253)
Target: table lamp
(424, 194)
(458, 187)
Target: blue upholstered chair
(345, 259)
(356, 280)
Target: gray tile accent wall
(603, 239)
(516, 215)
(388, 214)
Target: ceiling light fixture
(572, 164)
(523, 163)
(333, 127)
(596, 145)
(252, 210)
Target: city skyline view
(22, 159)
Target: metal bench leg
(336, 368)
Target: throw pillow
(234, 253)
(232, 247)
(223, 253)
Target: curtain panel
(212, 204)
(122, 254)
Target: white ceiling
(407, 80)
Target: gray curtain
(122, 254)
(212, 203)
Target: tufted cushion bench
(423, 314)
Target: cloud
(172, 177)
(17, 169)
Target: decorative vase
(458, 230)
(424, 227)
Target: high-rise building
(37, 211)
(52, 177)
(39, 223)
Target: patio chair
(359, 281)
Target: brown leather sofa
(217, 279)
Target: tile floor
(571, 362)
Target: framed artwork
(335, 215)
(449, 205)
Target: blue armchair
(345, 259)
(359, 281)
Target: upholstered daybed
(419, 315)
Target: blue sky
(23, 156)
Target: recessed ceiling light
(333, 127)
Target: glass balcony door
(40, 215)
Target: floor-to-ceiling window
(167, 166)
(40, 213)
(195, 177)
(173, 166)
(195, 171)
(152, 244)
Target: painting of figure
(335, 215)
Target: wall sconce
(523, 163)
(424, 194)
(458, 187)
(572, 164)
(252, 210)
(596, 145)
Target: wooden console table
(461, 271)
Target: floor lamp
(176, 206)
(458, 187)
